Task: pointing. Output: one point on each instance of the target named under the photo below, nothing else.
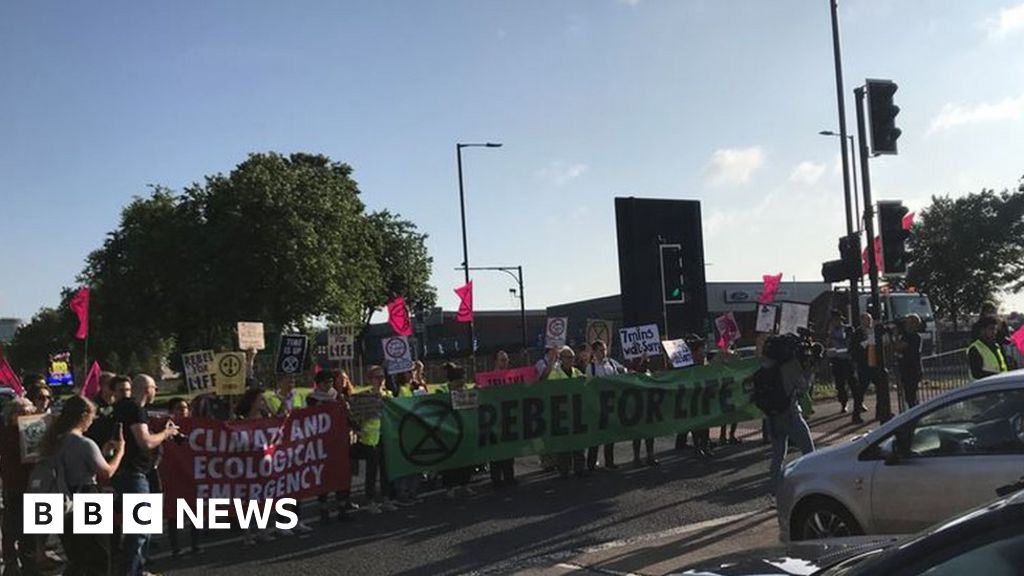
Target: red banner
(298, 456)
(504, 377)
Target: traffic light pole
(884, 407)
(847, 171)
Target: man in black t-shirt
(132, 476)
(910, 358)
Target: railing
(941, 373)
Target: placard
(599, 330)
(465, 399)
(291, 354)
(678, 353)
(340, 342)
(199, 370)
(365, 406)
(30, 433)
(793, 317)
(640, 341)
(397, 354)
(766, 318)
(250, 336)
(728, 330)
(229, 370)
(554, 334)
(59, 373)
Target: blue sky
(719, 101)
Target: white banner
(678, 353)
(639, 341)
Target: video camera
(782, 348)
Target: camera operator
(786, 373)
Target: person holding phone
(139, 455)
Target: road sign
(291, 353)
(229, 368)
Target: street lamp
(462, 210)
(518, 277)
(853, 156)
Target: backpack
(48, 477)
(769, 392)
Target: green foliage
(966, 250)
(281, 239)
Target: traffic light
(672, 273)
(848, 266)
(882, 116)
(894, 237)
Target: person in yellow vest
(984, 355)
(367, 447)
(574, 460)
(286, 397)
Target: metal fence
(942, 373)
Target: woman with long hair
(82, 463)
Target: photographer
(786, 373)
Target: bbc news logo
(144, 513)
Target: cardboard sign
(397, 354)
(766, 318)
(465, 399)
(365, 406)
(599, 330)
(340, 342)
(678, 353)
(250, 336)
(30, 433)
(199, 370)
(554, 334)
(640, 341)
(793, 316)
(229, 368)
(59, 373)
(291, 354)
(728, 329)
(525, 375)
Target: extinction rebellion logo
(144, 513)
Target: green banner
(428, 433)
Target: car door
(949, 459)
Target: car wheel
(824, 518)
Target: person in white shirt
(601, 365)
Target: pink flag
(771, 288)
(9, 378)
(398, 317)
(80, 306)
(465, 294)
(878, 258)
(908, 221)
(91, 388)
(1018, 338)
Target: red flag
(908, 221)
(1018, 339)
(80, 306)
(91, 388)
(771, 288)
(465, 294)
(9, 378)
(398, 317)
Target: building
(8, 326)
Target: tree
(966, 250)
(401, 264)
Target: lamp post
(518, 277)
(462, 210)
(853, 160)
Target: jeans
(134, 544)
(842, 375)
(609, 456)
(374, 467)
(783, 427)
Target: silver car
(927, 464)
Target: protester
(17, 546)
(140, 443)
(503, 472)
(784, 376)
(40, 395)
(324, 392)
(564, 368)
(286, 397)
(545, 365)
(910, 358)
(103, 425)
(984, 355)
(81, 462)
(701, 437)
(417, 380)
(839, 360)
(865, 355)
(724, 355)
(343, 385)
(179, 410)
(253, 406)
(602, 365)
(583, 356)
(368, 448)
(456, 480)
(641, 365)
